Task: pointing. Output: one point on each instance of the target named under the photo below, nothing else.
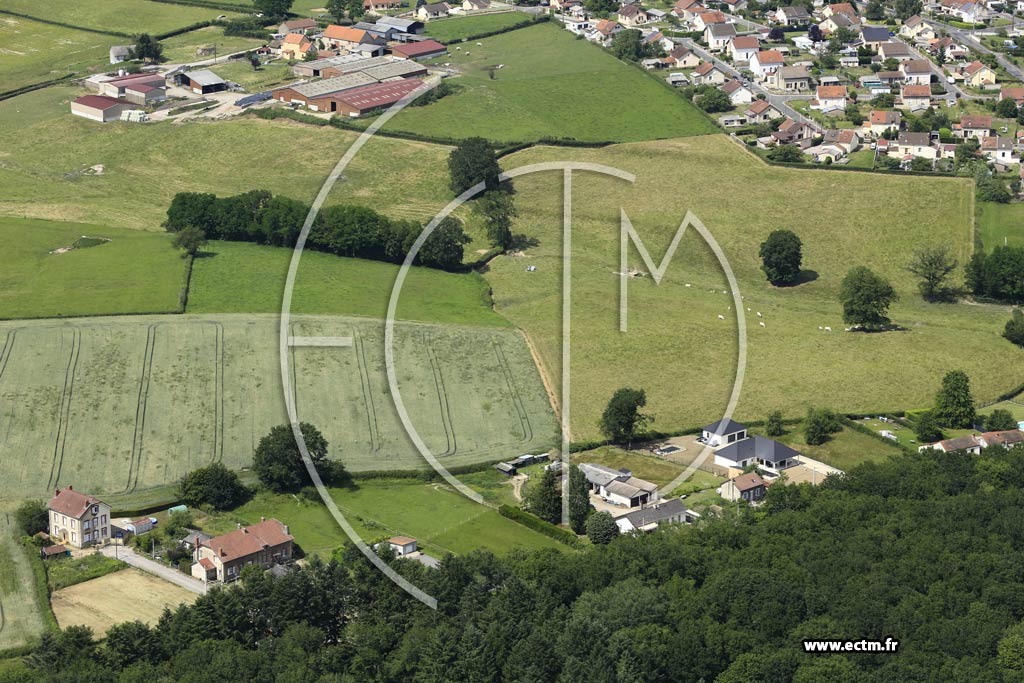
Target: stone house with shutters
(78, 520)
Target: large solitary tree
(933, 266)
(279, 464)
(274, 9)
(545, 499)
(473, 161)
(866, 298)
(190, 240)
(32, 517)
(622, 418)
(213, 485)
(1014, 330)
(954, 406)
(781, 257)
(147, 49)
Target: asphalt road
(968, 39)
(132, 558)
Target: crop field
(1000, 224)
(235, 277)
(47, 153)
(139, 596)
(125, 16)
(117, 405)
(135, 272)
(21, 619)
(182, 48)
(33, 52)
(550, 85)
(679, 349)
(456, 28)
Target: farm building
(383, 70)
(145, 94)
(359, 101)
(402, 545)
(120, 53)
(303, 26)
(53, 551)
(317, 95)
(341, 64)
(75, 518)
(201, 82)
(424, 49)
(405, 25)
(222, 558)
(98, 108)
(118, 87)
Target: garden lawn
(135, 272)
(1014, 406)
(236, 277)
(845, 450)
(457, 28)
(27, 53)
(129, 17)
(1000, 224)
(551, 85)
(681, 342)
(64, 572)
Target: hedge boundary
(539, 525)
(36, 86)
(63, 25)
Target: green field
(21, 620)
(678, 349)
(844, 450)
(268, 76)
(456, 28)
(135, 272)
(33, 52)
(551, 85)
(64, 572)
(236, 277)
(116, 405)
(45, 150)
(182, 48)
(1015, 407)
(1000, 224)
(129, 17)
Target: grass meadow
(21, 615)
(135, 272)
(182, 48)
(844, 450)
(456, 28)
(1000, 224)
(121, 405)
(33, 52)
(678, 348)
(550, 85)
(266, 77)
(125, 16)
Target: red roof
(916, 91)
(831, 92)
(378, 94)
(69, 501)
(745, 42)
(249, 540)
(346, 33)
(418, 49)
(769, 57)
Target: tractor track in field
(545, 376)
(364, 379)
(517, 401)
(442, 401)
(218, 401)
(135, 462)
(63, 417)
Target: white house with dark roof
(737, 92)
(764, 453)
(718, 36)
(650, 517)
(618, 487)
(722, 433)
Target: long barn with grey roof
(307, 94)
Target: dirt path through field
(549, 384)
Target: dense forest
(927, 549)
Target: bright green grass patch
(134, 272)
(234, 277)
(551, 85)
(1015, 407)
(23, 614)
(182, 48)
(844, 450)
(255, 80)
(64, 572)
(125, 16)
(100, 402)
(678, 348)
(1000, 224)
(456, 28)
(33, 52)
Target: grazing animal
(759, 314)
(761, 324)
(721, 317)
(687, 284)
(820, 327)
(480, 44)
(828, 329)
(748, 309)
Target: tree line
(924, 548)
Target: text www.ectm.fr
(887, 645)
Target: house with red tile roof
(77, 519)
(222, 558)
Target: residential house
(402, 545)
(683, 58)
(916, 71)
(915, 97)
(222, 558)
(790, 79)
(718, 36)
(874, 36)
(1015, 94)
(895, 50)
(732, 120)
(844, 8)
(303, 26)
(650, 517)
(604, 31)
(917, 29)
(748, 486)
(849, 62)
(632, 16)
(978, 75)
(708, 17)
(722, 433)
(830, 98)
(294, 46)
(908, 145)
(977, 127)
(687, 10)
(764, 453)
(350, 38)
(765, 62)
(796, 15)
(737, 92)
(475, 5)
(422, 49)
(881, 121)
(969, 444)
(998, 149)
(734, 6)
(837, 21)
(965, 10)
(846, 139)
(77, 519)
(742, 48)
(380, 6)
(618, 487)
(708, 74)
(657, 38)
(1007, 439)
(432, 11)
(793, 132)
(954, 51)
(120, 53)
(577, 26)
(761, 111)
